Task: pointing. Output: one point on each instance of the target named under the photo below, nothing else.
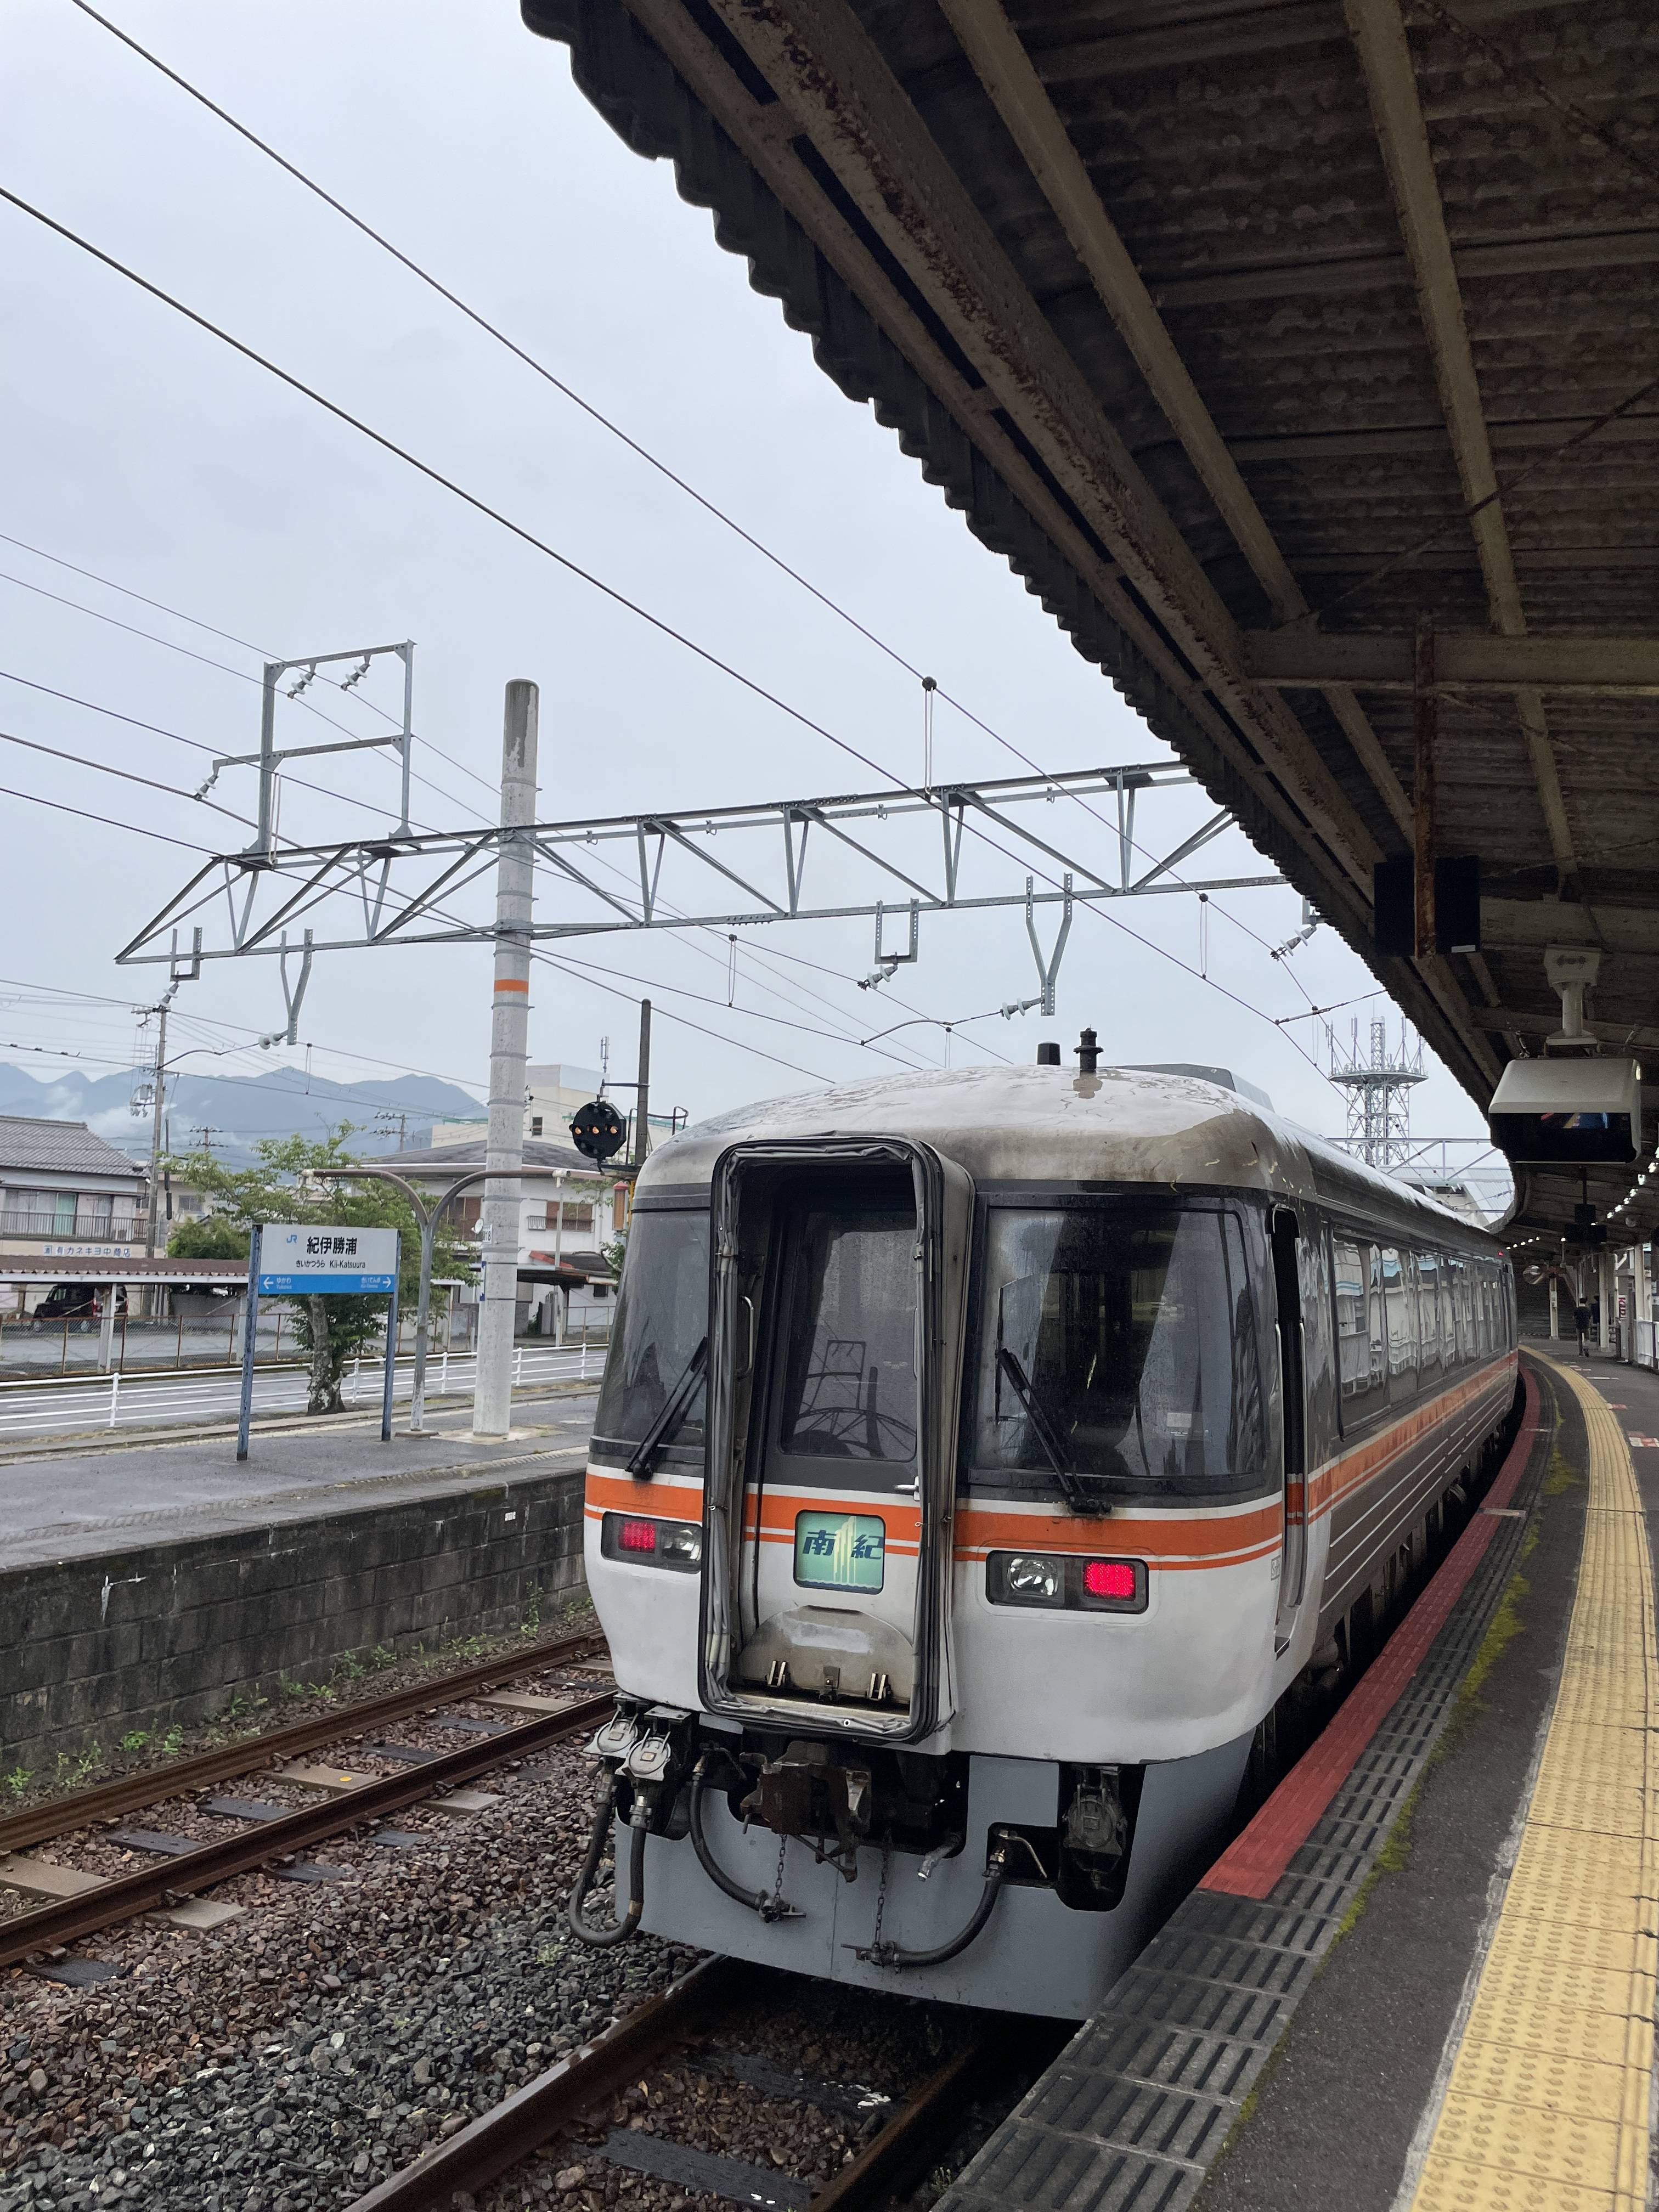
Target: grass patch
(1506, 1625)
(1563, 1475)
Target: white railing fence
(109, 1402)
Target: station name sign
(299, 1259)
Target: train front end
(933, 1518)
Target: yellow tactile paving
(1547, 2109)
(1458, 2185)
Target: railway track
(268, 1834)
(719, 2007)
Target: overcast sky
(139, 448)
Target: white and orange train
(986, 1462)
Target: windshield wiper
(673, 1411)
(1081, 1492)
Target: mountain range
(236, 1109)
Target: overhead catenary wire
(132, 828)
(174, 791)
(126, 775)
(249, 1029)
(575, 567)
(606, 423)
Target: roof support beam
(825, 69)
(1515, 924)
(1016, 90)
(1364, 272)
(763, 130)
(1013, 84)
(1640, 1037)
(1410, 439)
(1378, 31)
(1465, 660)
(764, 99)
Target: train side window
(1359, 1325)
(1429, 1347)
(1482, 1311)
(1463, 1306)
(1399, 1306)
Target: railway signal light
(598, 1130)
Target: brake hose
(892, 1955)
(769, 1907)
(602, 1934)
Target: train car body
(982, 1459)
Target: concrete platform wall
(91, 1650)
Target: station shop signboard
(301, 1258)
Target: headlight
(1033, 1580)
(651, 1543)
(1067, 1581)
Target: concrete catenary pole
(157, 1104)
(643, 1093)
(509, 1039)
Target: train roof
(1021, 1125)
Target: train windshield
(657, 1339)
(1120, 1342)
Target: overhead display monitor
(1568, 1113)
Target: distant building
(1451, 1190)
(553, 1093)
(561, 1224)
(66, 1195)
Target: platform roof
(1255, 337)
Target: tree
(286, 1186)
(209, 1236)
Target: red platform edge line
(1256, 1859)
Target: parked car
(76, 1302)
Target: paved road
(64, 1409)
(85, 1504)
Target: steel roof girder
(822, 64)
(1465, 660)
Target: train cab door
(847, 1267)
(1284, 1235)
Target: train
(990, 1466)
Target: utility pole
(155, 1128)
(509, 1039)
(643, 1093)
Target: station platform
(105, 1496)
(1423, 1979)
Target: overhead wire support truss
(867, 859)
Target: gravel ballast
(294, 2056)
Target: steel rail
(108, 1801)
(523, 2124)
(504, 2137)
(927, 2117)
(49, 1926)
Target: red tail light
(637, 1536)
(1110, 1578)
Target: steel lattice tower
(1379, 1093)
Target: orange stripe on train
(1215, 1537)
